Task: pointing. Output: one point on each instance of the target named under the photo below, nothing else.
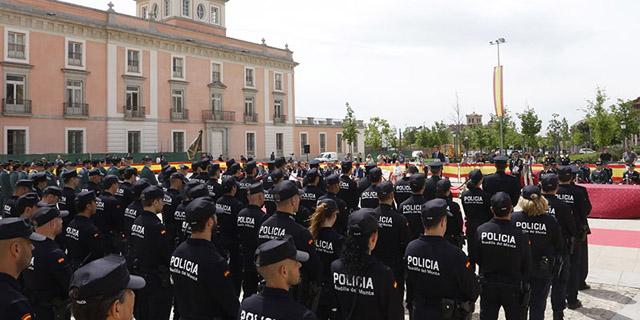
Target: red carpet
(615, 238)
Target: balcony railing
(222, 116)
(250, 118)
(76, 109)
(179, 114)
(325, 122)
(279, 118)
(16, 51)
(137, 113)
(16, 107)
(75, 59)
(215, 76)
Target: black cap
(179, 176)
(375, 173)
(331, 204)
(443, 185)
(475, 175)
(250, 166)
(565, 172)
(280, 162)
(153, 192)
(95, 172)
(286, 190)
(228, 183)
(362, 222)
(39, 177)
(11, 228)
(500, 159)
(46, 214)
(501, 202)
(52, 190)
(85, 197)
(256, 188)
(130, 171)
(412, 169)
(346, 164)
(102, 278)
(434, 209)
(168, 171)
(26, 183)
(184, 167)
(575, 169)
(274, 251)
(68, 174)
(332, 179)
(314, 163)
(384, 189)
(549, 181)
(198, 191)
(599, 163)
(214, 168)
(139, 186)
(230, 163)
(200, 209)
(531, 192)
(417, 181)
(276, 174)
(146, 158)
(27, 200)
(312, 173)
(109, 180)
(435, 164)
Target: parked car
(586, 151)
(327, 156)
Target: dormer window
(215, 15)
(200, 11)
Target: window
(216, 102)
(323, 142)
(133, 142)
(16, 141)
(74, 53)
(278, 81)
(143, 14)
(279, 144)
(154, 11)
(16, 45)
(251, 143)
(177, 100)
(303, 142)
(277, 109)
(248, 106)
(248, 77)
(132, 98)
(74, 93)
(15, 89)
(133, 61)
(200, 11)
(178, 67)
(215, 15)
(339, 142)
(216, 75)
(186, 8)
(167, 8)
(75, 141)
(178, 141)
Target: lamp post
(455, 147)
(623, 126)
(497, 43)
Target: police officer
(200, 275)
(278, 262)
(148, 257)
(48, 171)
(215, 189)
(228, 228)
(113, 169)
(364, 183)
(631, 176)
(500, 181)
(600, 175)
(109, 217)
(196, 171)
(402, 190)
(15, 255)
(503, 254)
(369, 197)
(393, 233)
(68, 202)
(103, 290)
(441, 282)
(282, 223)
(454, 222)
(6, 188)
(584, 176)
(584, 271)
(333, 187)
(46, 280)
(275, 177)
(348, 188)
(183, 231)
(146, 173)
(412, 207)
(26, 205)
(82, 238)
(131, 212)
(172, 198)
(51, 196)
(166, 180)
(95, 181)
(251, 170)
(249, 220)
(548, 167)
(125, 194)
(312, 193)
(23, 187)
(476, 204)
(546, 242)
(436, 175)
(365, 288)
(84, 173)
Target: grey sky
(405, 60)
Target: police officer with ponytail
(476, 204)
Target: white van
(327, 156)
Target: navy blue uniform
(411, 209)
(402, 190)
(84, 242)
(109, 218)
(13, 304)
(273, 303)
(348, 192)
(343, 212)
(476, 204)
(430, 187)
(228, 228)
(249, 221)
(500, 181)
(369, 198)
(393, 237)
(329, 247)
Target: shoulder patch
(96, 235)
(163, 231)
(61, 260)
(468, 264)
(310, 242)
(395, 285)
(26, 317)
(227, 274)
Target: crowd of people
(289, 241)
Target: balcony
(279, 118)
(16, 51)
(250, 118)
(16, 107)
(218, 116)
(179, 114)
(137, 113)
(75, 110)
(74, 59)
(324, 122)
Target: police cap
(314, 163)
(564, 172)
(443, 185)
(25, 183)
(68, 174)
(146, 158)
(384, 189)
(312, 173)
(228, 183)
(434, 209)
(331, 204)
(109, 180)
(27, 200)
(130, 171)
(256, 188)
(11, 228)
(152, 193)
(95, 172)
(276, 174)
(332, 179)
(549, 181)
(412, 169)
(575, 169)
(599, 163)
(501, 202)
(139, 186)
(280, 162)
(375, 173)
(102, 278)
(286, 190)
(346, 164)
(274, 251)
(198, 191)
(200, 209)
(46, 214)
(179, 176)
(168, 171)
(475, 175)
(85, 197)
(53, 190)
(235, 168)
(531, 192)
(362, 222)
(39, 177)
(250, 166)
(435, 164)
(184, 167)
(500, 159)
(230, 162)
(417, 181)
(214, 168)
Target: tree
(409, 136)
(600, 120)
(378, 134)
(565, 134)
(581, 134)
(440, 133)
(511, 135)
(554, 133)
(479, 137)
(350, 128)
(531, 126)
(625, 114)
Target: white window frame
(6, 45)
(278, 101)
(181, 96)
(302, 145)
(341, 142)
(84, 138)
(126, 62)
(184, 141)
(219, 23)
(212, 99)
(182, 8)
(253, 105)
(275, 88)
(141, 138)
(184, 67)
(254, 77)
(166, 8)
(6, 138)
(144, 10)
(221, 70)
(66, 54)
(320, 144)
(246, 146)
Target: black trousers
(559, 286)
(575, 271)
(153, 303)
(235, 263)
(495, 296)
(538, 302)
(584, 263)
(250, 279)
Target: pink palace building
(81, 80)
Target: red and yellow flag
(497, 91)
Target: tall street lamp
(497, 43)
(623, 126)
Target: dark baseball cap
(27, 200)
(331, 204)
(198, 191)
(384, 189)
(46, 214)
(274, 251)
(346, 164)
(475, 175)
(95, 172)
(179, 176)
(332, 179)
(168, 171)
(152, 192)
(109, 180)
(250, 166)
(312, 173)
(26, 183)
(549, 181)
(286, 190)
(362, 222)
(200, 209)
(412, 169)
(276, 174)
(531, 192)
(39, 177)
(214, 168)
(130, 171)
(375, 173)
(501, 202)
(85, 197)
(139, 186)
(434, 209)
(102, 278)
(68, 174)
(500, 159)
(443, 185)
(256, 188)
(564, 172)
(417, 181)
(314, 163)
(11, 228)
(228, 183)
(52, 190)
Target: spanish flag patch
(227, 274)
(468, 264)
(61, 260)
(395, 285)
(162, 232)
(26, 317)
